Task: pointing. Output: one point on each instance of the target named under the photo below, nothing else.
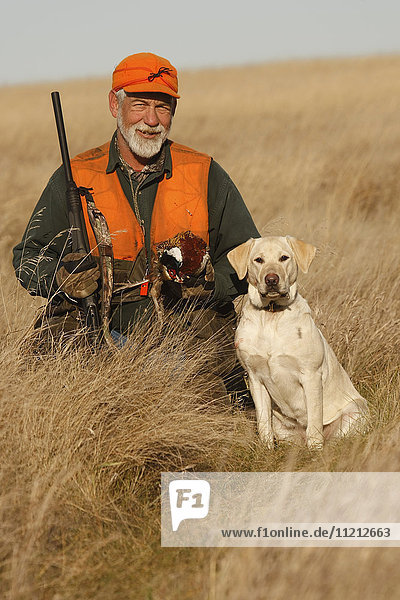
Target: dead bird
(184, 260)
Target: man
(149, 189)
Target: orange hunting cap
(145, 72)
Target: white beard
(139, 145)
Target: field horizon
(314, 148)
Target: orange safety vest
(180, 204)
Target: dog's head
(271, 265)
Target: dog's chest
(281, 344)
(272, 353)
(263, 332)
(266, 343)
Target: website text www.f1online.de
(326, 531)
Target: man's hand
(197, 287)
(78, 275)
(200, 287)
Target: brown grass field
(314, 147)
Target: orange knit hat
(146, 72)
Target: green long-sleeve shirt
(46, 240)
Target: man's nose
(151, 117)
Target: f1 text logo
(189, 499)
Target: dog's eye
(259, 259)
(284, 257)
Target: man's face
(144, 120)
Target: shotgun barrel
(79, 237)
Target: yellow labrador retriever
(297, 383)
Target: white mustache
(148, 129)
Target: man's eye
(259, 260)
(284, 257)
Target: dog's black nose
(272, 279)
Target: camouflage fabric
(104, 246)
(74, 277)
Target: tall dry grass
(314, 148)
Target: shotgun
(79, 237)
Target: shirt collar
(113, 158)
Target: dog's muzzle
(270, 287)
(271, 281)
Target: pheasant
(182, 259)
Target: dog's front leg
(262, 401)
(312, 386)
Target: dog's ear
(303, 252)
(239, 257)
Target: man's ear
(113, 103)
(239, 257)
(173, 105)
(303, 252)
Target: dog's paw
(315, 443)
(268, 439)
(315, 438)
